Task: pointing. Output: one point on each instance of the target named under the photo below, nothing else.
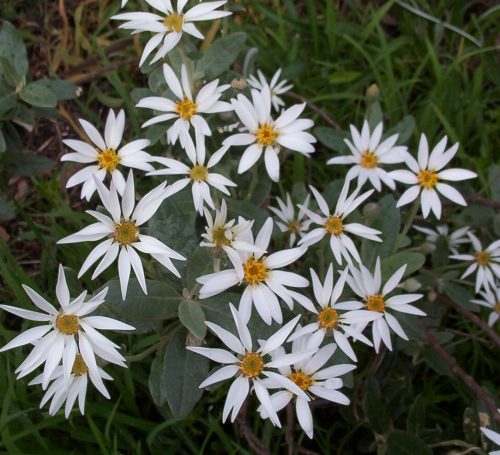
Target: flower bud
(427, 248)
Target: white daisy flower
(267, 135)
(67, 391)
(198, 175)
(263, 280)
(106, 154)
(294, 225)
(186, 108)
(367, 286)
(492, 436)
(426, 176)
(331, 320)
(334, 224)
(310, 376)
(485, 261)
(227, 236)
(276, 87)
(454, 239)
(250, 366)
(65, 332)
(169, 26)
(123, 236)
(369, 155)
(491, 300)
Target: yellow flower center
(219, 236)
(497, 308)
(427, 179)
(108, 159)
(375, 303)
(186, 108)
(302, 380)
(328, 318)
(251, 365)
(294, 226)
(334, 225)
(369, 160)
(126, 232)
(254, 271)
(79, 366)
(174, 22)
(266, 135)
(483, 258)
(198, 173)
(68, 324)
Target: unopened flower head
(310, 376)
(122, 233)
(427, 175)
(491, 300)
(276, 87)
(485, 262)
(260, 275)
(266, 135)
(376, 299)
(250, 365)
(106, 154)
(333, 225)
(370, 155)
(454, 239)
(169, 26)
(294, 225)
(65, 332)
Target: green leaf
(199, 263)
(63, 90)
(404, 128)
(7, 210)
(8, 102)
(38, 95)
(332, 138)
(342, 77)
(8, 71)
(13, 49)
(440, 256)
(192, 317)
(374, 114)
(3, 144)
(236, 208)
(413, 261)
(140, 310)
(375, 409)
(460, 295)
(476, 216)
(29, 164)
(494, 181)
(404, 443)
(221, 55)
(155, 381)
(416, 415)
(183, 372)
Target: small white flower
(334, 224)
(276, 87)
(198, 175)
(68, 390)
(65, 332)
(107, 155)
(492, 436)
(185, 108)
(227, 236)
(367, 286)
(491, 300)
(310, 376)
(170, 25)
(249, 365)
(294, 225)
(263, 280)
(369, 154)
(123, 236)
(454, 240)
(426, 176)
(485, 261)
(124, 2)
(267, 135)
(330, 319)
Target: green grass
(445, 73)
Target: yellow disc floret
(126, 232)
(219, 236)
(254, 271)
(376, 303)
(174, 22)
(79, 366)
(334, 225)
(483, 257)
(198, 173)
(328, 318)
(266, 135)
(369, 160)
(427, 179)
(68, 324)
(293, 227)
(186, 108)
(301, 379)
(108, 159)
(251, 365)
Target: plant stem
(409, 221)
(253, 182)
